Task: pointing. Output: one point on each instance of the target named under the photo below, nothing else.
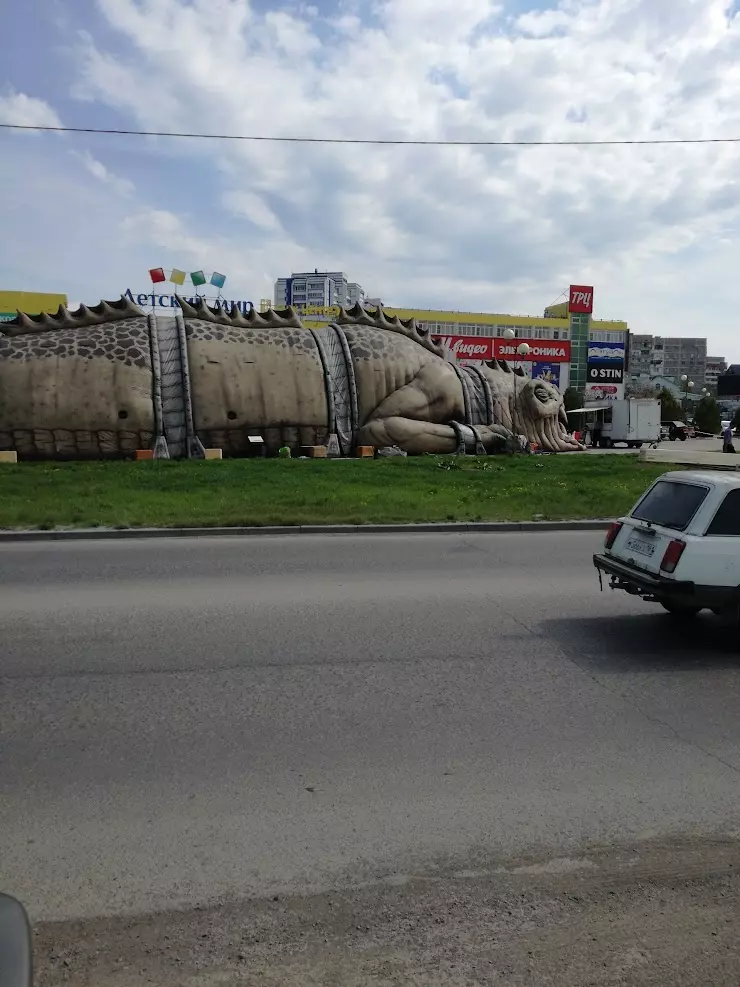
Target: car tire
(682, 610)
(638, 445)
(606, 443)
(683, 438)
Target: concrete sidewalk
(67, 534)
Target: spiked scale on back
(504, 367)
(80, 318)
(124, 308)
(287, 318)
(377, 319)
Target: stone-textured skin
(83, 392)
(268, 381)
(81, 384)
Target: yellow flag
(177, 277)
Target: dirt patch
(653, 914)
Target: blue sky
(653, 229)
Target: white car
(680, 544)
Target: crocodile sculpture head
(535, 408)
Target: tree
(708, 418)
(670, 409)
(736, 420)
(573, 399)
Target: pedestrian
(727, 444)
(596, 434)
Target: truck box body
(631, 420)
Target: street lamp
(509, 334)
(688, 384)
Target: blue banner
(547, 371)
(605, 352)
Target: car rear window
(727, 519)
(670, 504)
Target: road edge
(472, 527)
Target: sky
(655, 229)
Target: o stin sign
(581, 299)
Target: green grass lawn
(275, 491)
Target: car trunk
(663, 515)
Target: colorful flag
(197, 277)
(177, 277)
(157, 275)
(218, 280)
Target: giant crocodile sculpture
(107, 380)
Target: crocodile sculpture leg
(434, 395)
(417, 437)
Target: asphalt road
(195, 721)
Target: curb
(473, 527)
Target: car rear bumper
(657, 587)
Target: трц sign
(581, 299)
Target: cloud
(251, 207)
(22, 110)
(122, 186)
(501, 228)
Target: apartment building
(716, 365)
(317, 289)
(667, 356)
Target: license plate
(641, 547)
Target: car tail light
(611, 535)
(672, 555)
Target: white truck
(631, 420)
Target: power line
(378, 141)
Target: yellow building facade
(30, 302)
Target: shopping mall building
(566, 346)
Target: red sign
(488, 348)
(469, 347)
(547, 350)
(581, 300)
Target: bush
(670, 409)
(573, 399)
